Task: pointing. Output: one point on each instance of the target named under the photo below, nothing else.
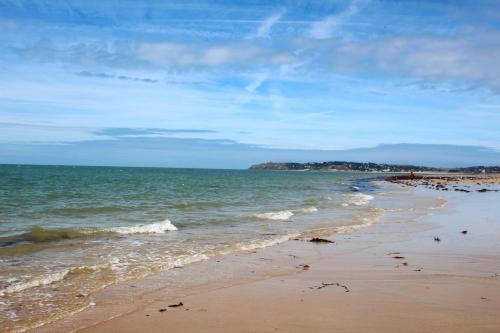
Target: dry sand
(390, 277)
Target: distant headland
(366, 167)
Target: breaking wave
(41, 281)
(357, 199)
(40, 234)
(152, 228)
(262, 243)
(284, 215)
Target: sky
(226, 84)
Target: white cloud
(166, 53)
(437, 59)
(467, 61)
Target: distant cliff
(365, 167)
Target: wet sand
(412, 272)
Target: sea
(67, 232)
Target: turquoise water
(66, 232)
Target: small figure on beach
(412, 175)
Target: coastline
(357, 284)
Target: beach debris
(487, 190)
(305, 267)
(398, 257)
(162, 310)
(417, 270)
(176, 305)
(404, 264)
(484, 298)
(323, 285)
(464, 232)
(437, 239)
(320, 240)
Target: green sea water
(69, 231)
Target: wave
(284, 215)
(360, 222)
(262, 243)
(310, 209)
(357, 199)
(41, 281)
(41, 235)
(152, 228)
(365, 222)
(44, 280)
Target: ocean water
(67, 232)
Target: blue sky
(175, 83)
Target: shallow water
(66, 232)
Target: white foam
(284, 215)
(41, 281)
(188, 259)
(357, 199)
(152, 228)
(366, 222)
(262, 243)
(280, 215)
(310, 209)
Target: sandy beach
(427, 270)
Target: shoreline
(298, 280)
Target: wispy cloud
(256, 83)
(265, 27)
(327, 27)
(113, 76)
(138, 132)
